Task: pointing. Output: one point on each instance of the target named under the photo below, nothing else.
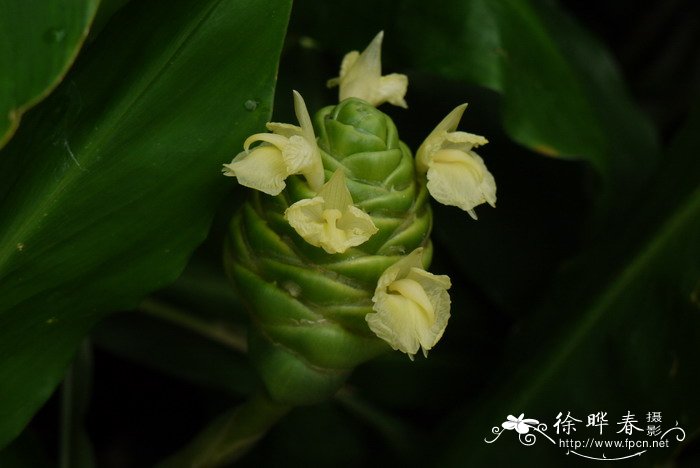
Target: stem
(74, 446)
(230, 436)
(222, 334)
(66, 431)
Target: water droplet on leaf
(55, 35)
(250, 105)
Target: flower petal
(361, 77)
(313, 167)
(395, 322)
(413, 291)
(435, 287)
(284, 129)
(302, 113)
(317, 225)
(347, 63)
(335, 192)
(411, 306)
(262, 169)
(306, 217)
(461, 179)
(278, 141)
(298, 154)
(401, 269)
(450, 122)
(469, 139)
(330, 220)
(437, 137)
(357, 225)
(392, 89)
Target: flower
(330, 220)
(411, 306)
(287, 150)
(456, 175)
(522, 426)
(361, 77)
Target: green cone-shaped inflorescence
(309, 306)
(331, 257)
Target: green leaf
(505, 46)
(39, 41)
(562, 93)
(111, 183)
(620, 330)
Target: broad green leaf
(505, 46)
(562, 94)
(39, 41)
(620, 330)
(113, 181)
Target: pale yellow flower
(288, 150)
(411, 306)
(457, 176)
(361, 77)
(330, 220)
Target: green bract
(308, 307)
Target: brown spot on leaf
(546, 150)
